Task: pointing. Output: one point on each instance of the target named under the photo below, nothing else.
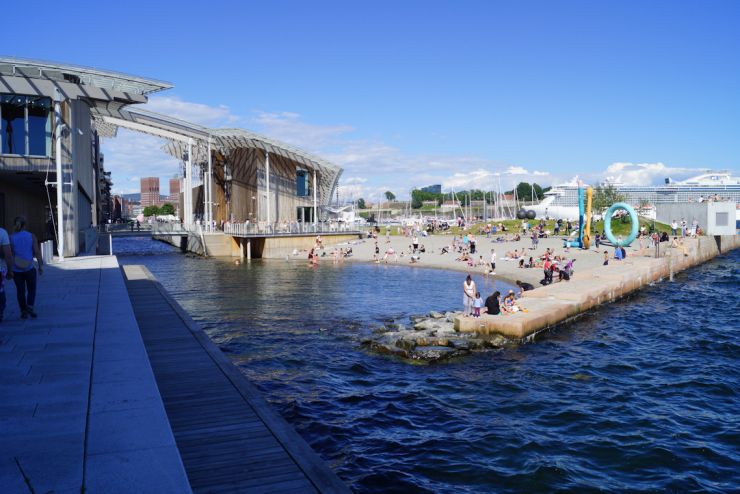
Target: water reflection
(640, 395)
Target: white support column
(207, 185)
(315, 201)
(267, 178)
(60, 177)
(189, 185)
(249, 249)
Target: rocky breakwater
(429, 338)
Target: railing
(294, 228)
(250, 229)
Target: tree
(151, 211)
(361, 203)
(167, 209)
(604, 197)
(390, 195)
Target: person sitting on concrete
(509, 305)
(618, 253)
(678, 244)
(492, 304)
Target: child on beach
(477, 304)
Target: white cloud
(198, 113)
(645, 173)
(131, 154)
(516, 170)
(288, 127)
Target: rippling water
(639, 396)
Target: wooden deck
(229, 439)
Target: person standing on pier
(25, 247)
(469, 292)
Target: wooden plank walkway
(229, 438)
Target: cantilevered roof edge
(148, 85)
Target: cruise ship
(562, 200)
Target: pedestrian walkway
(229, 438)
(79, 407)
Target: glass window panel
(39, 126)
(301, 183)
(14, 125)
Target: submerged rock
(430, 339)
(432, 353)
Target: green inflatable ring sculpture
(608, 224)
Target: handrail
(285, 229)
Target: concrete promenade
(79, 407)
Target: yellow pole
(587, 227)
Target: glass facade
(302, 188)
(25, 125)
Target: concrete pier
(553, 304)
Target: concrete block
(144, 471)
(130, 369)
(129, 429)
(11, 478)
(125, 395)
(52, 472)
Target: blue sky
(408, 93)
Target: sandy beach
(508, 270)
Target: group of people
(683, 227)
(474, 305)
(17, 253)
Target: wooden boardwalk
(229, 439)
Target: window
(302, 188)
(25, 125)
(720, 219)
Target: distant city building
(434, 189)
(174, 196)
(116, 214)
(150, 191)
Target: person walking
(6, 267)
(25, 247)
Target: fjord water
(638, 396)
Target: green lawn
(619, 227)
